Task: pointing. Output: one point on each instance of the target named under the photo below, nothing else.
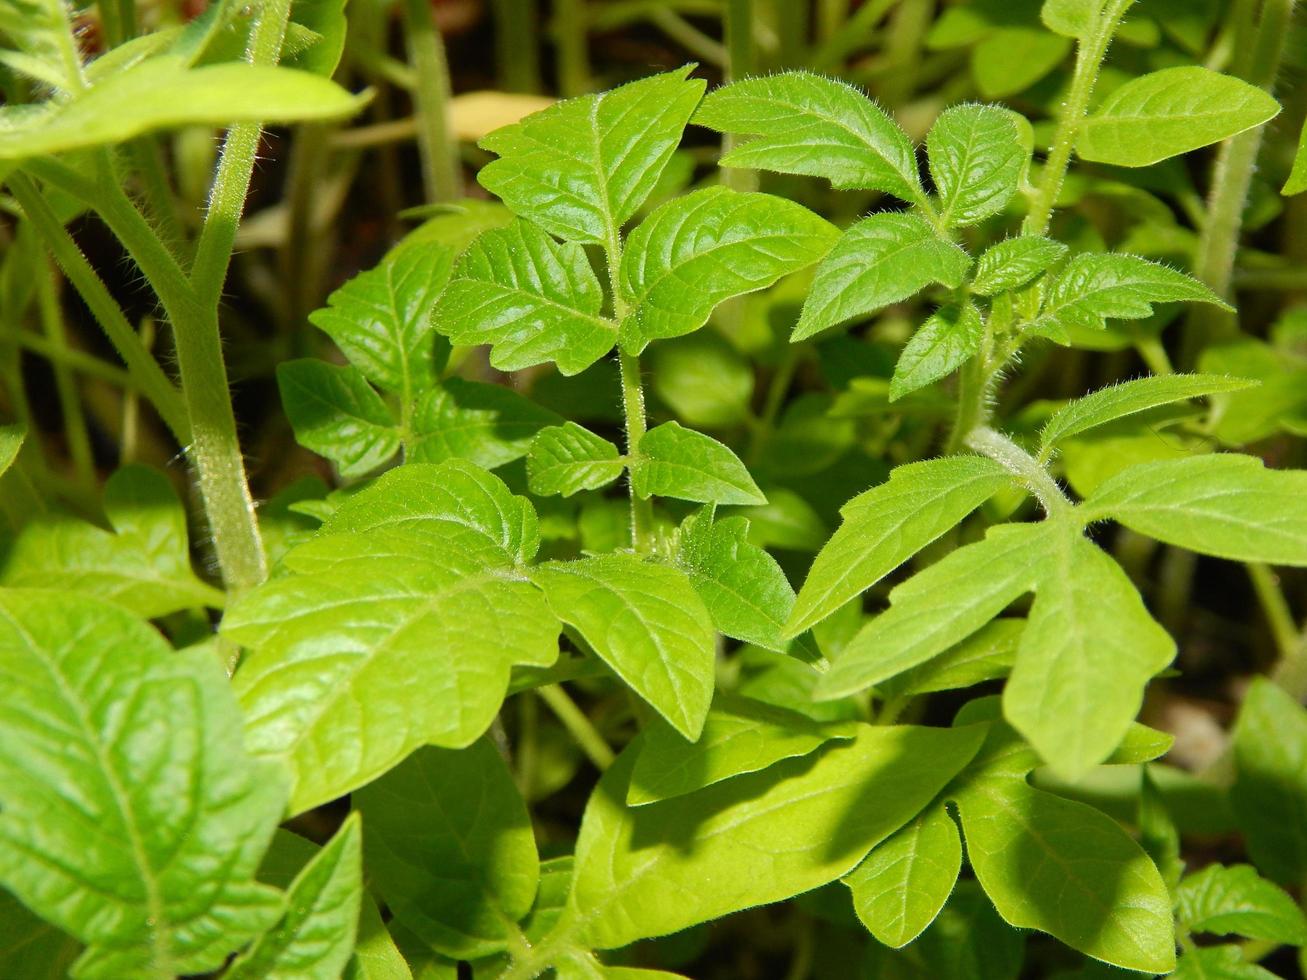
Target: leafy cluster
(487, 543)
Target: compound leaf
(1013, 262)
(487, 424)
(647, 623)
(1118, 401)
(1270, 788)
(696, 251)
(381, 319)
(739, 736)
(581, 168)
(396, 626)
(674, 461)
(568, 458)
(337, 414)
(1169, 112)
(315, 938)
(800, 823)
(816, 126)
(143, 565)
(450, 847)
(977, 155)
(531, 298)
(130, 815)
(887, 525)
(1236, 899)
(880, 260)
(941, 345)
(1225, 504)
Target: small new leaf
(977, 156)
(674, 461)
(946, 341)
(1013, 262)
(568, 458)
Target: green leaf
(1169, 112)
(703, 379)
(582, 168)
(1236, 899)
(946, 341)
(450, 848)
(1297, 181)
(381, 319)
(1158, 834)
(881, 260)
(904, 882)
(938, 607)
(647, 623)
(1097, 286)
(315, 938)
(531, 298)
(337, 414)
(1227, 505)
(1218, 963)
(1012, 59)
(696, 251)
(11, 440)
(887, 525)
(30, 948)
(977, 156)
(655, 869)
(163, 93)
(487, 424)
(143, 565)
(568, 458)
(817, 126)
(1013, 262)
(1270, 788)
(744, 588)
(739, 736)
(1088, 650)
(130, 815)
(1121, 400)
(986, 655)
(1069, 870)
(673, 461)
(396, 627)
(1070, 18)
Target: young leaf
(740, 736)
(315, 938)
(531, 298)
(745, 590)
(938, 607)
(946, 341)
(381, 319)
(696, 251)
(881, 260)
(568, 458)
(582, 168)
(450, 848)
(1227, 505)
(655, 869)
(1270, 788)
(143, 565)
(1118, 401)
(887, 525)
(820, 127)
(1088, 650)
(163, 92)
(395, 627)
(1069, 870)
(1169, 112)
(487, 424)
(1013, 262)
(904, 882)
(1236, 899)
(130, 815)
(1097, 286)
(337, 414)
(674, 461)
(647, 623)
(976, 159)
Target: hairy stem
(1022, 465)
(741, 61)
(436, 146)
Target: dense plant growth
(875, 496)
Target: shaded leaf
(487, 424)
(1270, 788)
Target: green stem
(1090, 52)
(972, 398)
(851, 34)
(687, 35)
(741, 61)
(572, 40)
(436, 145)
(1275, 608)
(71, 358)
(151, 380)
(907, 31)
(70, 406)
(1022, 465)
(516, 25)
(578, 726)
(147, 163)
